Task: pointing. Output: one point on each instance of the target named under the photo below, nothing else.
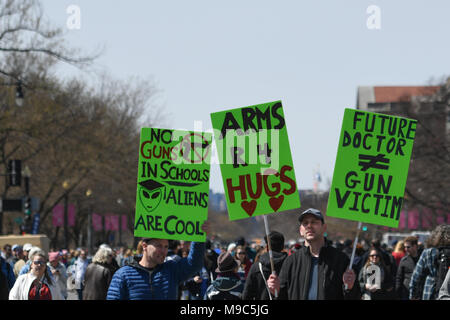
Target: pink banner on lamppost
(97, 222)
(58, 215)
(114, 223)
(71, 215)
(124, 222)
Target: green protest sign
(172, 184)
(371, 167)
(255, 160)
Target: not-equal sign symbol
(368, 161)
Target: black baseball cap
(312, 211)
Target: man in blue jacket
(150, 278)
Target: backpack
(442, 265)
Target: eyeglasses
(407, 247)
(374, 255)
(39, 263)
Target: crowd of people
(313, 269)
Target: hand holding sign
(348, 279)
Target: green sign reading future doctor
(371, 167)
(255, 160)
(172, 184)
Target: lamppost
(66, 202)
(120, 203)
(28, 222)
(19, 102)
(89, 230)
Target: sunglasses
(241, 253)
(374, 255)
(39, 263)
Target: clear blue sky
(210, 55)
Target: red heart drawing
(249, 207)
(275, 203)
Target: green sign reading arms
(172, 184)
(371, 167)
(255, 160)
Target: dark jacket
(296, 269)
(134, 282)
(368, 275)
(255, 286)
(404, 273)
(96, 281)
(226, 287)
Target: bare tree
(26, 36)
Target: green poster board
(371, 167)
(172, 184)
(255, 160)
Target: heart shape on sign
(249, 207)
(275, 203)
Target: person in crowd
(388, 259)
(73, 256)
(172, 254)
(444, 291)
(8, 254)
(98, 275)
(20, 259)
(127, 257)
(249, 251)
(58, 271)
(195, 287)
(120, 256)
(153, 278)
(27, 265)
(36, 284)
(348, 247)
(255, 286)
(210, 261)
(113, 265)
(406, 268)
(79, 270)
(231, 249)
(64, 257)
(227, 285)
(423, 280)
(245, 265)
(399, 252)
(374, 280)
(7, 278)
(317, 271)
(20, 263)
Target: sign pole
(354, 247)
(266, 225)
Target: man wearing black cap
(317, 271)
(255, 285)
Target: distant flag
(317, 179)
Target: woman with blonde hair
(98, 275)
(399, 251)
(37, 283)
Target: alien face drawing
(150, 194)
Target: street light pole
(89, 230)
(66, 204)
